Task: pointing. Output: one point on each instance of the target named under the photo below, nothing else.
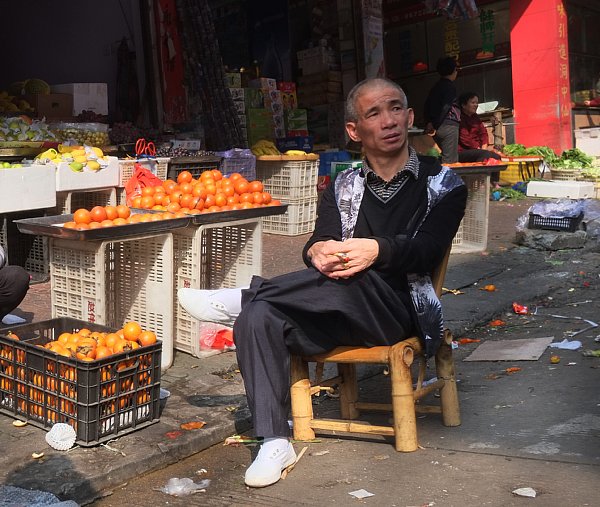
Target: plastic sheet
(183, 487)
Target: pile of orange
(87, 345)
(211, 192)
(110, 216)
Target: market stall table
(473, 230)
(132, 272)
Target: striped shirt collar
(412, 166)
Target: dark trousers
(477, 155)
(307, 313)
(14, 284)
(446, 137)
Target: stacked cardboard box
(323, 87)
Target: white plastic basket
(112, 282)
(212, 256)
(289, 179)
(69, 202)
(298, 219)
(472, 232)
(157, 166)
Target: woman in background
(473, 139)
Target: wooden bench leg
(348, 391)
(403, 403)
(302, 411)
(444, 364)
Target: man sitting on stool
(380, 232)
(14, 284)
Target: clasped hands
(343, 259)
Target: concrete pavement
(541, 423)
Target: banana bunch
(295, 152)
(264, 147)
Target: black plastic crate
(195, 165)
(567, 224)
(101, 399)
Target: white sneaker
(274, 456)
(221, 305)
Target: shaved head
(369, 84)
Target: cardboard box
(86, 96)
(319, 77)
(296, 119)
(28, 187)
(53, 105)
(254, 98)
(239, 106)
(236, 93)
(264, 83)
(259, 118)
(295, 143)
(233, 79)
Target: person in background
(442, 113)
(473, 138)
(14, 284)
(380, 231)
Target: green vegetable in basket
(514, 150)
(542, 151)
(574, 158)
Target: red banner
(171, 62)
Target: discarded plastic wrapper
(184, 487)
(566, 345)
(361, 493)
(520, 309)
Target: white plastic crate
(67, 179)
(289, 179)
(212, 256)
(69, 202)
(112, 282)
(472, 232)
(157, 166)
(298, 219)
(561, 188)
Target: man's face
(382, 121)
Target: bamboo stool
(399, 358)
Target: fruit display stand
(101, 399)
(212, 256)
(291, 179)
(194, 165)
(473, 230)
(112, 275)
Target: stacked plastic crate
(293, 182)
(157, 166)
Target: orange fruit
(69, 225)
(256, 186)
(123, 211)
(132, 331)
(147, 338)
(120, 221)
(184, 177)
(95, 225)
(266, 197)
(234, 176)
(220, 199)
(82, 216)
(107, 223)
(247, 197)
(148, 191)
(147, 202)
(98, 213)
(217, 175)
(136, 202)
(257, 197)
(173, 206)
(241, 186)
(83, 227)
(186, 188)
(111, 212)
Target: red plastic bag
(141, 178)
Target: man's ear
(411, 117)
(352, 133)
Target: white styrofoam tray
(67, 179)
(28, 187)
(567, 188)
